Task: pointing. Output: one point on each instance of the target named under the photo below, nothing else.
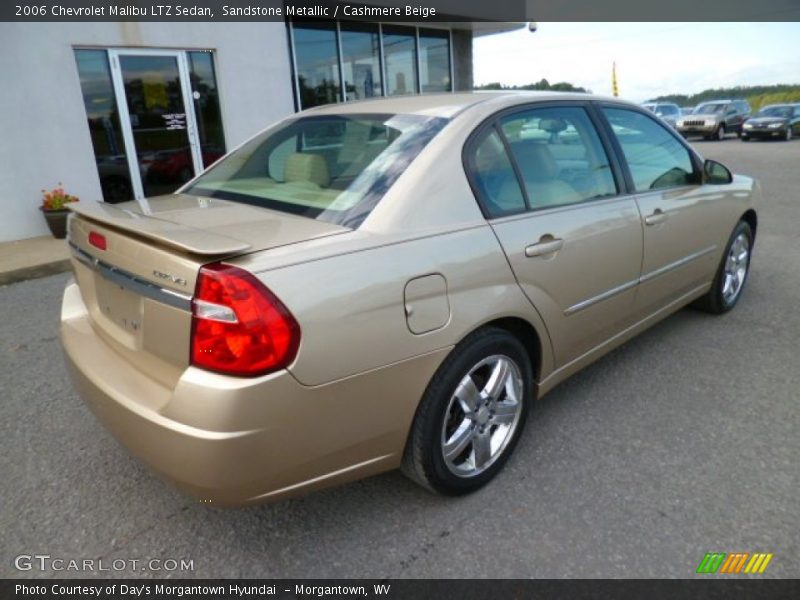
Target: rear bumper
(232, 441)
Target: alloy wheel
(735, 268)
(482, 416)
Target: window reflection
(158, 121)
(434, 60)
(361, 60)
(206, 106)
(317, 59)
(399, 48)
(104, 125)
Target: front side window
(655, 158)
(331, 168)
(559, 155)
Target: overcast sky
(652, 58)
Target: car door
(549, 189)
(679, 224)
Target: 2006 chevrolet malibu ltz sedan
(390, 283)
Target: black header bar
(418, 11)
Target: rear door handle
(657, 217)
(542, 248)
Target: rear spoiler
(167, 233)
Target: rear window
(331, 168)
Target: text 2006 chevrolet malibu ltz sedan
(390, 284)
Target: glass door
(156, 111)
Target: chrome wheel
(482, 416)
(721, 133)
(788, 134)
(735, 268)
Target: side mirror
(716, 173)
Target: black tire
(745, 138)
(423, 459)
(787, 137)
(719, 134)
(714, 301)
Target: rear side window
(494, 177)
(655, 158)
(559, 155)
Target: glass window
(655, 158)
(493, 175)
(434, 59)
(158, 121)
(317, 58)
(206, 106)
(711, 108)
(331, 168)
(104, 125)
(400, 56)
(559, 155)
(361, 60)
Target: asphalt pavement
(683, 441)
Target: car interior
(560, 160)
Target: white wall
(44, 137)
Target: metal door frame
(182, 61)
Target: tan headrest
(535, 160)
(302, 166)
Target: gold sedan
(390, 284)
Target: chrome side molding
(131, 282)
(646, 277)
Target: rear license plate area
(120, 307)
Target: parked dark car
(714, 119)
(776, 121)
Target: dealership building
(124, 110)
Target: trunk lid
(138, 288)
(206, 226)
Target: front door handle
(657, 217)
(547, 246)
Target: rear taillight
(239, 327)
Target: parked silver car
(668, 111)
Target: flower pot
(56, 221)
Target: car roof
(447, 105)
(725, 101)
